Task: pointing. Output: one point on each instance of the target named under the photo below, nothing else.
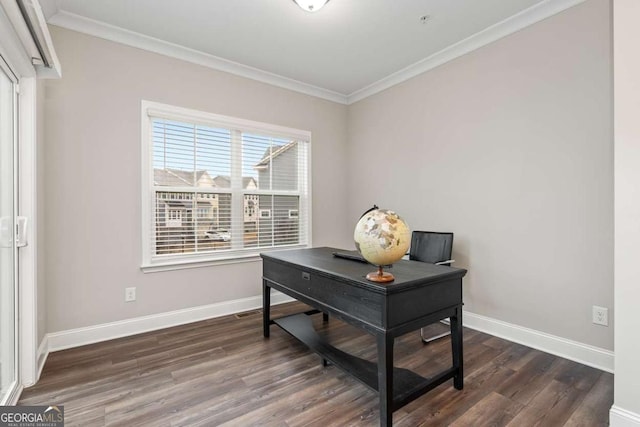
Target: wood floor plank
(551, 407)
(494, 409)
(448, 404)
(287, 399)
(515, 356)
(526, 383)
(357, 406)
(594, 407)
(223, 372)
(351, 395)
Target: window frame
(151, 110)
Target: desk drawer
(343, 297)
(408, 306)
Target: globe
(382, 238)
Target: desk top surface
(408, 274)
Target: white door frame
(19, 62)
(27, 255)
(9, 351)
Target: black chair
(435, 248)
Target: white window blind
(221, 188)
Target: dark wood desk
(420, 295)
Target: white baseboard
(579, 352)
(582, 353)
(619, 417)
(107, 331)
(15, 396)
(43, 353)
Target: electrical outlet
(129, 294)
(600, 315)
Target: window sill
(182, 264)
(171, 265)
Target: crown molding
(517, 22)
(99, 29)
(527, 17)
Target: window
(217, 187)
(174, 217)
(204, 212)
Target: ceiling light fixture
(311, 5)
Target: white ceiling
(345, 49)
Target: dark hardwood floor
(223, 372)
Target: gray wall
(511, 148)
(92, 177)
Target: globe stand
(380, 276)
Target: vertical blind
(221, 191)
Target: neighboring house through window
(216, 187)
(174, 217)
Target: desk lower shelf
(407, 385)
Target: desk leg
(456, 348)
(385, 378)
(266, 308)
